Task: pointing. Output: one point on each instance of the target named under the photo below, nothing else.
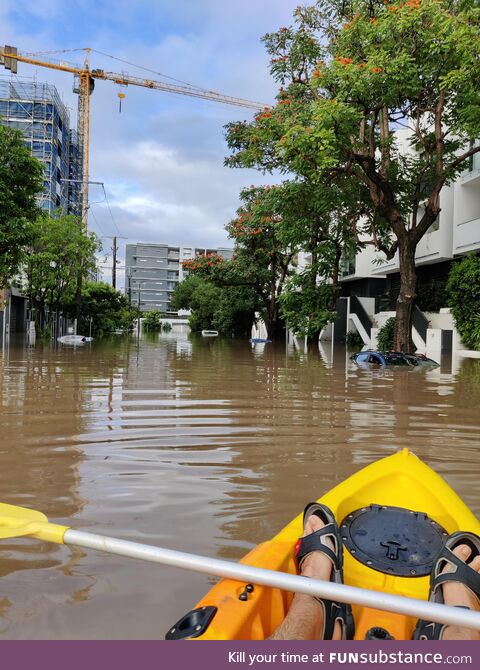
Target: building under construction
(36, 110)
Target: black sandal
(430, 630)
(332, 611)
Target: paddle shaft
(419, 609)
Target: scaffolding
(36, 110)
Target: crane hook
(121, 96)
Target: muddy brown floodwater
(203, 445)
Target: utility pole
(114, 239)
(114, 264)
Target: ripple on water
(208, 447)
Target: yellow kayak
(393, 515)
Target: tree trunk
(273, 324)
(406, 298)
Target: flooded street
(203, 445)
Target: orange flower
(344, 61)
(376, 70)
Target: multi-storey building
(154, 270)
(37, 111)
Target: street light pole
(139, 286)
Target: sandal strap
(463, 573)
(331, 612)
(431, 630)
(312, 542)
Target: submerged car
(384, 358)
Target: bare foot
(305, 618)
(455, 593)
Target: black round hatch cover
(393, 540)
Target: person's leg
(455, 593)
(305, 618)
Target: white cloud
(162, 159)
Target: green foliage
(227, 309)
(306, 306)
(463, 290)
(152, 322)
(20, 181)
(199, 296)
(59, 253)
(386, 335)
(106, 309)
(431, 296)
(476, 332)
(166, 327)
(350, 75)
(354, 341)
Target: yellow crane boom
(10, 57)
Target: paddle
(19, 521)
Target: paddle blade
(19, 521)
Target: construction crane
(84, 84)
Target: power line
(141, 67)
(96, 221)
(109, 209)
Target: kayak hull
(400, 480)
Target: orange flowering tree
(383, 96)
(262, 259)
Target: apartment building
(36, 110)
(152, 271)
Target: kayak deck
(400, 480)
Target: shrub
(386, 334)
(431, 296)
(354, 340)
(463, 290)
(152, 322)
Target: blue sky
(161, 159)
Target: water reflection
(205, 445)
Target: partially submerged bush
(152, 321)
(354, 340)
(386, 335)
(463, 290)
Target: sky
(161, 158)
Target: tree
(317, 219)
(20, 181)
(261, 261)
(355, 73)
(103, 308)
(226, 309)
(307, 307)
(59, 253)
(152, 321)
